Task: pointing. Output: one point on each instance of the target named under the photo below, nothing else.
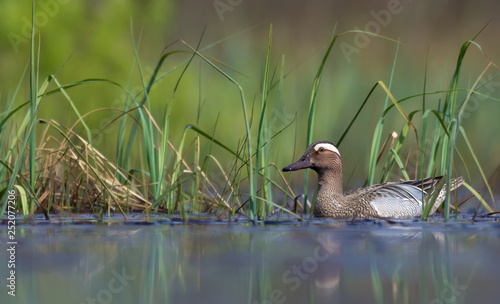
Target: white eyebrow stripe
(329, 147)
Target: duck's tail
(454, 184)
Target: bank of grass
(62, 171)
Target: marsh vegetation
(57, 165)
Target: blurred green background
(93, 39)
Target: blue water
(320, 261)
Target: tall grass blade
(269, 192)
(453, 122)
(466, 138)
(377, 137)
(211, 138)
(400, 164)
(403, 134)
(478, 196)
(427, 207)
(33, 104)
(312, 110)
(396, 104)
(425, 115)
(449, 165)
(24, 200)
(147, 126)
(261, 133)
(356, 115)
(436, 144)
(423, 144)
(9, 112)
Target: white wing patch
(398, 201)
(396, 207)
(326, 146)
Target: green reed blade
(33, 103)
(377, 137)
(312, 108)
(478, 165)
(260, 133)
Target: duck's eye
(321, 149)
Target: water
(321, 261)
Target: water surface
(320, 261)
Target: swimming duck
(392, 199)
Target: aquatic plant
(57, 167)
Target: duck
(404, 199)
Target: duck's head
(320, 156)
